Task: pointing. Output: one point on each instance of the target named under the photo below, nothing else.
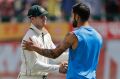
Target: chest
(43, 41)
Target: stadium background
(105, 17)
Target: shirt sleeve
(44, 67)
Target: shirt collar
(38, 31)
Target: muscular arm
(54, 53)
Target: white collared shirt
(33, 63)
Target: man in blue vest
(84, 44)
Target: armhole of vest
(77, 40)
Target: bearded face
(74, 23)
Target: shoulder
(70, 34)
(78, 31)
(28, 34)
(71, 37)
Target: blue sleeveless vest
(83, 60)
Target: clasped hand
(63, 67)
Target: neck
(37, 26)
(83, 24)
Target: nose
(44, 17)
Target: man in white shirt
(35, 66)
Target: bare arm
(51, 53)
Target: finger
(64, 63)
(24, 45)
(24, 48)
(26, 41)
(30, 39)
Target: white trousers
(31, 77)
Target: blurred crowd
(16, 10)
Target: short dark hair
(82, 10)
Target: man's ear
(32, 18)
(74, 15)
(78, 17)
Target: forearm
(50, 53)
(63, 57)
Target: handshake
(63, 67)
